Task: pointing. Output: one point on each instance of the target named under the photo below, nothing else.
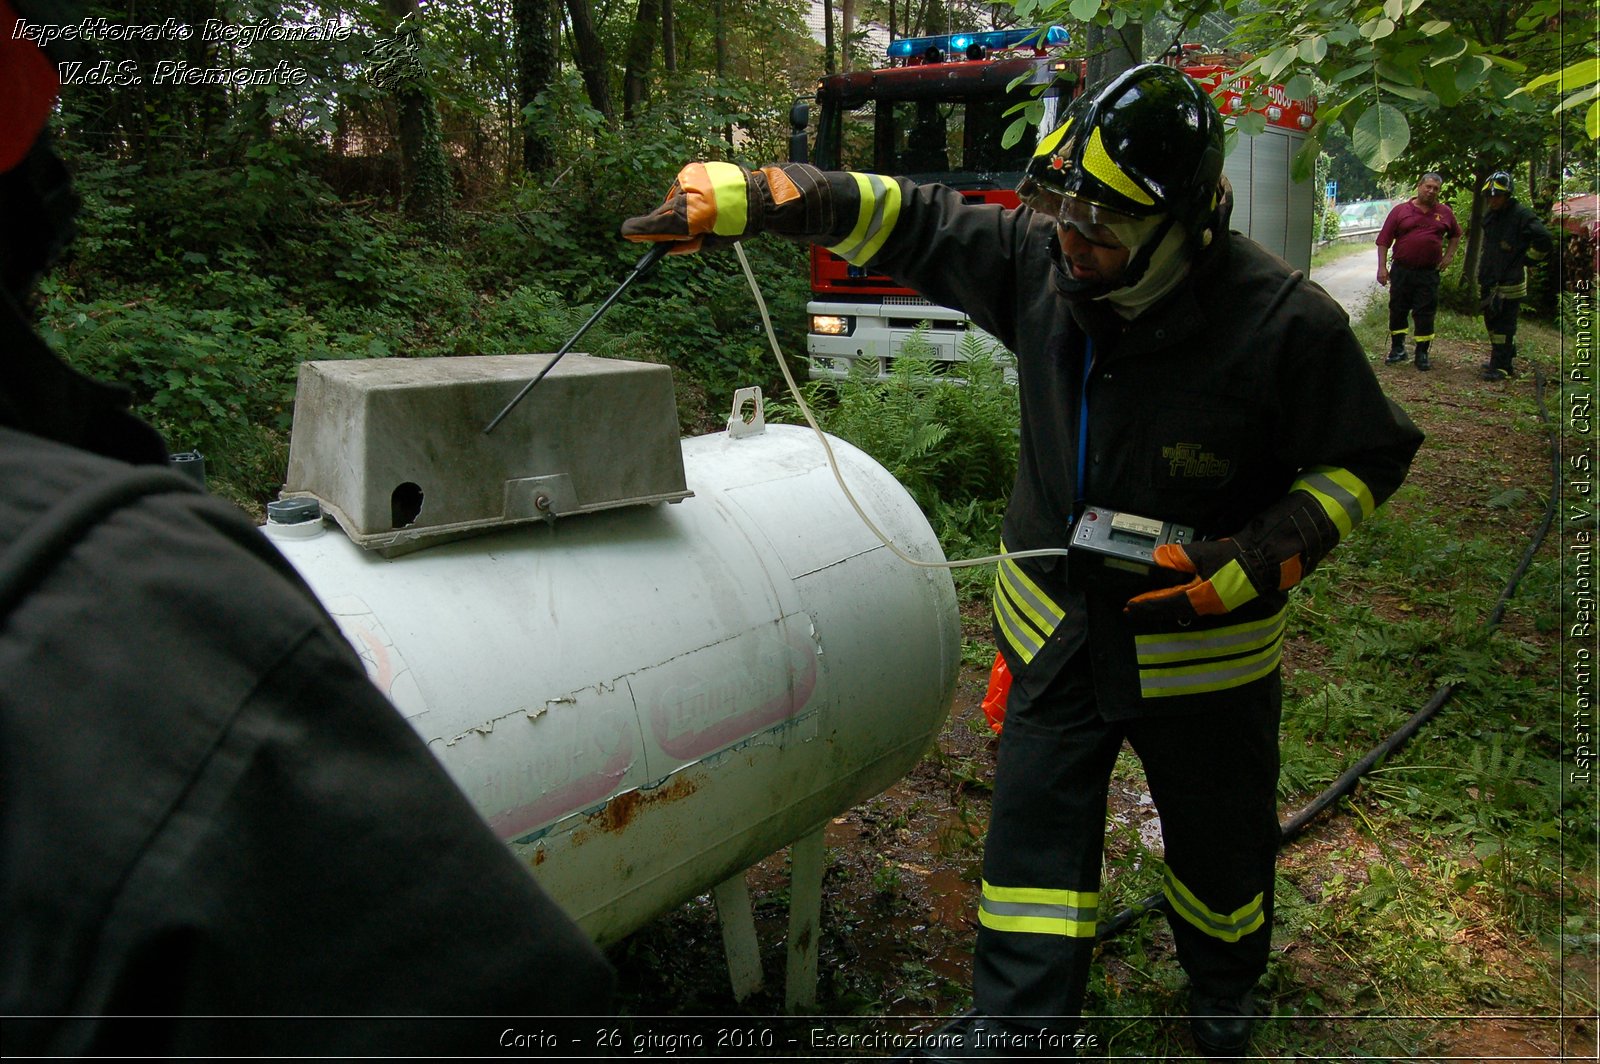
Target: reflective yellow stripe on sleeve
(1039, 910)
(1342, 494)
(880, 209)
(731, 194)
(1025, 614)
(1229, 928)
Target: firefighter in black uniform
(1512, 238)
(217, 837)
(1167, 369)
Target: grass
(1342, 249)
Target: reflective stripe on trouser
(1215, 788)
(1039, 910)
(1502, 326)
(1229, 927)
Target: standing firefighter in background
(1169, 369)
(217, 837)
(1417, 228)
(1512, 238)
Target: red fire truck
(937, 113)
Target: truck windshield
(952, 138)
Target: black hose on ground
(1346, 783)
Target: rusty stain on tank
(620, 811)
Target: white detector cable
(805, 412)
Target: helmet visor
(1099, 226)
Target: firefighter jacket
(1242, 385)
(1512, 238)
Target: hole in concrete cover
(405, 503)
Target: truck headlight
(832, 324)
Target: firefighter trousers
(1413, 293)
(1214, 782)
(1500, 321)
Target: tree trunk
(591, 57)
(847, 29)
(669, 38)
(828, 44)
(722, 40)
(721, 15)
(641, 46)
(423, 167)
(534, 24)
(1112, 51)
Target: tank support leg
(738, 935)
(805, 920)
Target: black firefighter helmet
(1147, 142)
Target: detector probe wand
(646, 263)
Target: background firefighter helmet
(28, 86)
(1147, 142)
(36, 199)
(1498, 182)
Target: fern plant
(950, 438)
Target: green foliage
(1325, 221)
(1378, 66)
(1328, 228)
(208, 378)
(202, 288)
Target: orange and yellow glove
(1273, 553)
(713, 204)
(1220, 583)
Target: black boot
(1222, 1026)
(1498, 368)
(1397, 350)
(1422, 355)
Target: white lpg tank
(645, 700)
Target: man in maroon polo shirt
(1417, 229)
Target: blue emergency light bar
(990, 41)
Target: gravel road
(1352, 280)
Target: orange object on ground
(994, 699)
